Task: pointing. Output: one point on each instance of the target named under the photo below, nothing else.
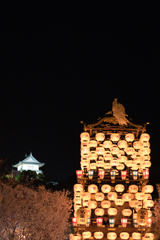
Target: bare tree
(33, 214)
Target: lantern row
(112, 235)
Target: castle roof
(29, 160)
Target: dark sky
(66, 61)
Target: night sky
(63, 62)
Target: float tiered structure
(113, 181)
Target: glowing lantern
(121, 153)
(93, 157)
(79, 173)
(92, 188)
(99, 196)
(115, 150)
(146, 174)
(111, 235)
(149, 236)
(122, 144)
(130, 163)
(124, 222)
(124, 235)
(123, 175)
(146, 144)
(107, 166)
(119, 188)
(92, 204)
(112, 196)
(77, 200)
(90, 174)
(147, 158)
(112, 211)
(149, 213)
(107, 144)
(133, 188)
(100, 164)
(139, 159)
(142, 216)
(82, 216)
(93, 166)
(98, 235)
(147, 189)
(105, 204)
(148, 203)
(137, 145)
(122, 159)
(86, 234)
(136, 235)
(85, 137)
(149, 222)
(126, 212)
(145, 151)
(74, 221)
(101, 173)
(139, 196)
(99, 211)
(75, 237)
(84, 164)
(78, 187)
(129, 137)
(106, 188)
(100, 137)
(146, 164)
(120, 166)
(93, 144)
(108, 156)
(135, 175)
(99, 221)
(111, 222)
(115, 137)
(119, 202)
(130, 150)
(86, 195)
(100, 151)
(85, 151)
(127, 197)
(133, 203)
(113, 174)
(134, 168)
(144, 137)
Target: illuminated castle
(113, 180)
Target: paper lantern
(78, 187)
(126, 212)
(135, 174)
(114, 162)
(119, 188)
(138, 145)
(115, 137)
(107, 166)
(129, 137)
(93, 157)
(92, 188)
(84, 164)
(149, 236)
(122, 159)
(101, 173)
(75, 236)
(139, 196)
(145, 151)
(111, 222)
(93, 144)
(149, 213)
(133, 203)
(146, 174)
(92, 204)
(124, 222)
(79, 173)
(98, 235)
(100, 137)
(139, 159)
(93, 166)
(119, 202)
(142, 216)
(112, 211)
(136, 235)
(77, 200)
(113, 174)
(108, 156)
(100, 151)
(146, 164)
(149, 222)
(133, 188)
(147, 189)
(130, 163)
(99, 221)
(123, 175)
(148, 203)
(74, 221)
(130, 150)
(105, 204)
(82, 216)
(111, 235)
(115, 150)
(122, 144)
(86, 234)
(121, 153)
(144, 137)
(99, 211)
(146, 144)
(86, 195)
(127, 197)
(85, 151)
(106, 188)
(99, 196)
(112, 196)
(107, 144)
(124, 235)
(134, 168)
(120, 166)
(90, 174)
(85, 137)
